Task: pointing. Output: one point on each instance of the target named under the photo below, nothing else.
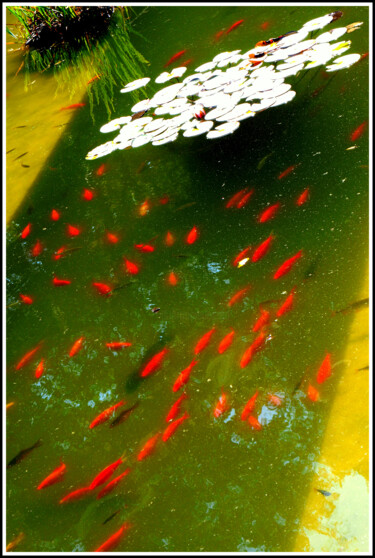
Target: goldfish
(241, 256)
(76, 346)
(9, 405)
(287, 304)
(144, 208)
(173, 411)
(75, 495)
(26, 299)
(235, 198)
(218, 35)
(244, 200)
(184, 376)
(324, 371)
(149, 447)
(93, 79)
(60, 282)
(59, 253)
(249, 407)
(187, 62)
(131, 267)
(226, 342)
(236, 24)
(113, 539)
(101, 170)
(169, 239)
(254, 347)
(102, 288)
(312, 393)
(275, 400)
(175, 57)
(22, 454)
(112, 484)
(263, 320)
(72, 231)
(37, 249)
(192, 235)
(286, 172)
(26, 231)
(104, 475)
(254, 423)
(243, 262)
(154, 363)
(268, 213)
(118, 345)
(75, 106)
(264, 26)
(262, 249)
(172, 279)
(164, 199)
(222, 405)
(203, 341)
(15, 542)
(55, 476)
(172, 427)
(287, 265)
(238, 296)
(104, 415)
(39, 369)
(358, 131)
(144, 247)
(112, 238)
(55, 215)
(87, 195)
(28, 356)
(302, 198)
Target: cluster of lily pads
(214, 100)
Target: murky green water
(216, 485)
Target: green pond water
(216, 485)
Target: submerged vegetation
(85, 47)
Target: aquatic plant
(252, 83)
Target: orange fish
(222, 405)
(269, 213)
(87, 194)
(238, 296)
(263, 320)
(104, 415)
(144, 208)
(236, 24)
(325, 370)
(93, 79)
(218, 35)
(287, 265)
(173, 411)
(112, 238)
(169, 239)
(312, 393)
(53, 477)
(75, 106)
(26, 231)
(28, 356)
(286, 172)
(72, 231)
(254, 347)
(187, 62)
(287, 304)
(114, 539)
(275, 400)
(112, 484)
(249, 407)
(164, 199)
(144, 247)
(172, 427)
(254, 423)
(244, 200)
(60, 282)
(264, 26)
(154, 363)
(76, 347)
(39, 369)
(192, 235)
(203, 341)
(236, 198)
(76, 494)
(303, 197)
(104, 475)
(101, 170)
(149, 447)
(102, 288)
(241, 256)
(9, 405)
(37, 249)
(131, 267)
(172, 279)
(358, 131)
(175, 57)
(226, 342)
(59, 253)
(26, 299)
(184, 376)
(118, 345)
(55, 215)
(262, 249)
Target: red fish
(169, 239)
(28, 356)
(55, 215)
(264, 26)
(203, 341)
(72, 231)
(149, 447)
(87, 194)
(241, 256)
(187, 62)
(39, 369)
(164, 199)
(184, 376)
(154, 363)
(76, 347)
(131, 267)
(244, 200)
(75, 106)
(93, 79)
(286, 172)
(37, 249)
(104, 475)
(303, 197)
(104, 415)
(275, 400)
(59, 253)
(238, 296)
(101, 170)
(144, 247)
(287, 304)
(113, 539)
(358, 131)
(192, 235)
(144, 208)
(287, 265)
(173, 411)
(75, 495)
(172, 427)
(262, 249)
(175, 57)
(112, 238)
(60, 282)
(112, 484)
(263, 320)
(254, 423)
(312, 393)
(236, 24)
(102, 288)
(26, 299)
(172, 279)
(254, 347)
(222, 405)
(54, 477)
(226, 342)
(325, 370)
(26, 231)
(269, 213)
(249, 407)
(236, 198)
(118, 345)
(218, 35)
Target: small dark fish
(10, 150)
(137, 115)
(25, 166)
(123, 415)
(154, 310)
(19, 156)
(111, 517)
(180, 256)
(122, 286)
(21, 126)
(363, 368)
(22, 454)
(185, 206)
(324, 492)
(141, 167)
(358, 305)
(311, 269)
